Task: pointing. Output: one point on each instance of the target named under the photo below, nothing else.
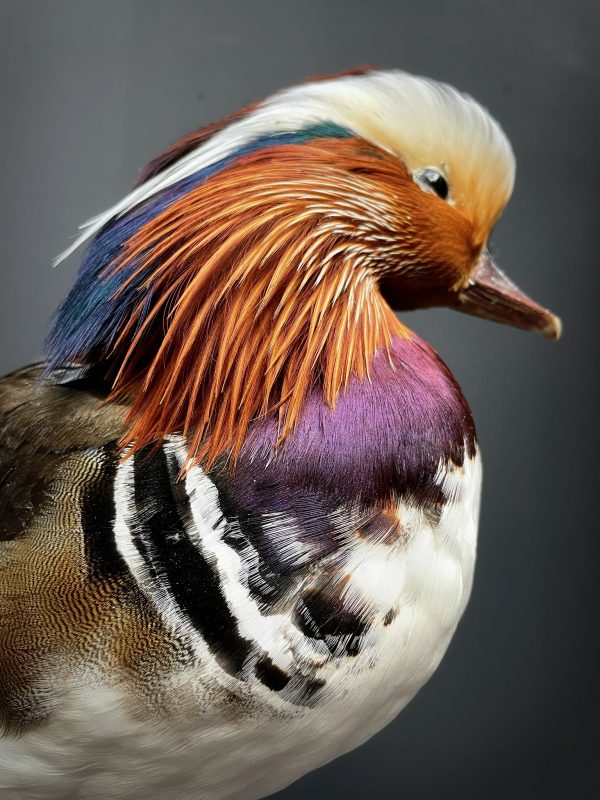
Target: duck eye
(434, 181)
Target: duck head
(265, 254)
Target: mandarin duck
(239, 497)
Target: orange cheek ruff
(264, 281)
(440, 237)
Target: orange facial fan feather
(263, 281)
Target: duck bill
(491, 295)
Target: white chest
(416, 587)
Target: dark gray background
(91, 91)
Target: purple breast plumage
(385, 437)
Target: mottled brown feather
(60, 616)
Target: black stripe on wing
(98, 515)
(160, 535)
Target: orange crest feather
(264, 283)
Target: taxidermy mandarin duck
(239, 499)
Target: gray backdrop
(91, 91)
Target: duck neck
(387, 435)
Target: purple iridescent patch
(385, 438)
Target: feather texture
(232, 298)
